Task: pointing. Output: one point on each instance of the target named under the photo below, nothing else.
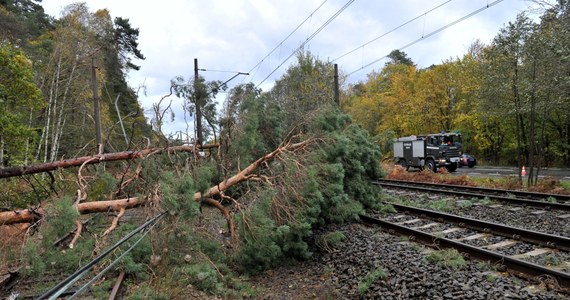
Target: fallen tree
(248, 173)
(93, 159)
(31, 215)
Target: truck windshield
(450, 140)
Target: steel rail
(441, 189)
(514, 266)
(535, 237)
(493, 191)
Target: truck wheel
(430, 165)
(451, 168)
(403, 164)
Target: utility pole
(336, 88)
(96, 107)
(198, 99)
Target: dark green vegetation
(447, 257)
(47, 83)
(510, 98)
(372, 276)
(324, 179)
(47, 112)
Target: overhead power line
(61, 287)
(392, 30)
(309, 38)
(432, 33)
(288, 36)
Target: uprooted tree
(288, 160)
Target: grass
(386, 208)
(485, 201)
(491, 277)
(442, 205)
(553, 260)
(464, 204)
(565, 185)
(370, 278)
(447, 257)
(485, 266)
(330, 241)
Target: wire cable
(57, 290)
(288, 36)
(309, 39)
(431, 33)
(392, 30)
(96, 277)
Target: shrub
(60, 219)
(204, 277)
(178, 195)
(135, 262)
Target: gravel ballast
(342, 273)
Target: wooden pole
(96, 107)
(198, 98)
(336, 87)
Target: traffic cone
(523, 172)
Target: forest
(77, 152)
(509, 99)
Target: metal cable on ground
(432, 33)
(54, 292)
(88, 284)
(309, 38)
(392, 30)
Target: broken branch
(115, 222)
(74, 162)
(29, 215)
(77, 233)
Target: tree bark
(75, 162)
(29, 215)
(245, 174)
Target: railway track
(522, 252)
(533, 199)
(471, 237)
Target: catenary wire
(287, 37)
(431, 33)
(101, 273)
(54, 292)
(392, 30)
(309, 39)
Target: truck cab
(429, 151)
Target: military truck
(429, 151)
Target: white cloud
(236, 34)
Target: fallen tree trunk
(76, 162)
(28, 215)
(247, 173)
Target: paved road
(490, 171)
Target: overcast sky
(235, 35)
